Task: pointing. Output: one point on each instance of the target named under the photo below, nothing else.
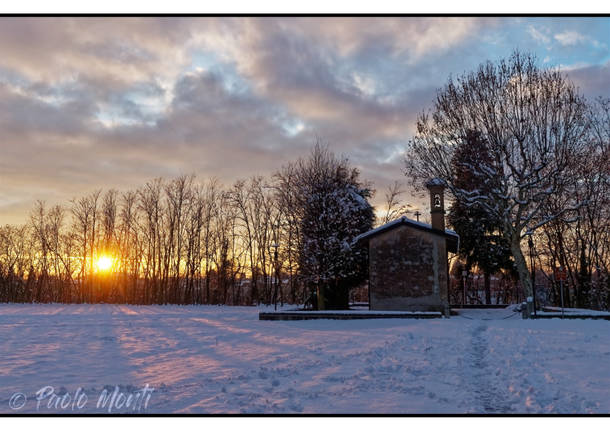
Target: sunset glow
(103, 264)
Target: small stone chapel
(408, 260)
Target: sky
(88, 103)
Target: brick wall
(407, 270)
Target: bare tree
(152, 213)
(394, 207)
(129, 246)
(287, 200)
(583, 246)
(535, 123)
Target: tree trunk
(487, 287)
(521, 265)
(320, 297)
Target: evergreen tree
(482, 242)
(334, 210)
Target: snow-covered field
(206, 359)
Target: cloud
(538, 35)
(569, 38)
(592, 80)
(113, 102)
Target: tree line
(185, 241)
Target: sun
(103, 263)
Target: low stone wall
(345, 315)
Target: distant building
(408, 260)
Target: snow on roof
(403, 220)
(436, 182)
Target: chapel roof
(453, 239)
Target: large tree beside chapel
(332, 209)
(534, 123)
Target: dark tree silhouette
(482, 241)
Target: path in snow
(486, 393)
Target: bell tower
(436, 186)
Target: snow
(435, 182)
(398, 221)
(575, 311)
(212, 359)
(362, 202)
